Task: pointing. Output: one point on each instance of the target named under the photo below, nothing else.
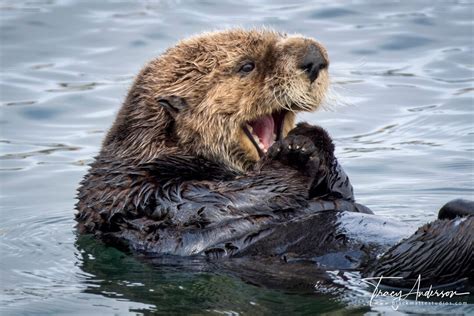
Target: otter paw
(318, 135)
(294, 151)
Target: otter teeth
(259, 143)
(257, 139)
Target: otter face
(241, 90)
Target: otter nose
(313, 62)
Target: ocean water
(401, 112)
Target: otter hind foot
(456, 208)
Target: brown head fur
(218, 99)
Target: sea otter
(204, 159)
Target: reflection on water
(401, 113)
(166, 289)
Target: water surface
(401, 112)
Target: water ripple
(48, 151)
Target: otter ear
(172, 104)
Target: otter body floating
(204, 160)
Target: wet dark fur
(441, 252)
(120, 201)
(286, 212)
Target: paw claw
(294, 150)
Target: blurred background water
(402, 115)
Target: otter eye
(248, 67)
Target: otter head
(226, 95)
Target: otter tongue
(263, 128)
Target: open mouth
(265, 130)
